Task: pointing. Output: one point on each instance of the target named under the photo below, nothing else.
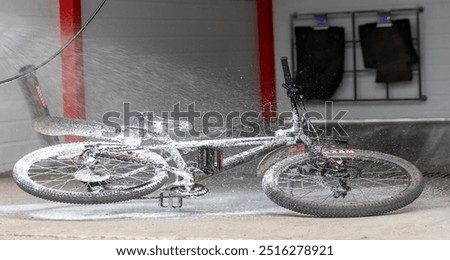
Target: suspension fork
(295, 117)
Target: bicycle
(298, 173)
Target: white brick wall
(29, 33)
(435, 40)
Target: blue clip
(321, 22)
(384, 19)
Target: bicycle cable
(56, 54)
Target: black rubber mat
(388, 49)
(437, 174)
(320, 60)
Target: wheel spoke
(60, 173)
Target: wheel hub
(90, 175)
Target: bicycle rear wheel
(60, 173)
(376, 183)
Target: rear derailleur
(339, 171)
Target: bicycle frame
(263, 145)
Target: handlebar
(286, 71)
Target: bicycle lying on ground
(298, 173)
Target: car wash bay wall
(154, 54)
(29, 33)
(435, 53)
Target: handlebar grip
(286, 71)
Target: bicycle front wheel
(375, 183)
(60, 173)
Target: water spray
(56, 54)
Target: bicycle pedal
(170, 201)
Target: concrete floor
(236, 208)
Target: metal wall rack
(353, 44)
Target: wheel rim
(67, 172)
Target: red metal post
(266, 58)
(72, 61)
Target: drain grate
(436, 174)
